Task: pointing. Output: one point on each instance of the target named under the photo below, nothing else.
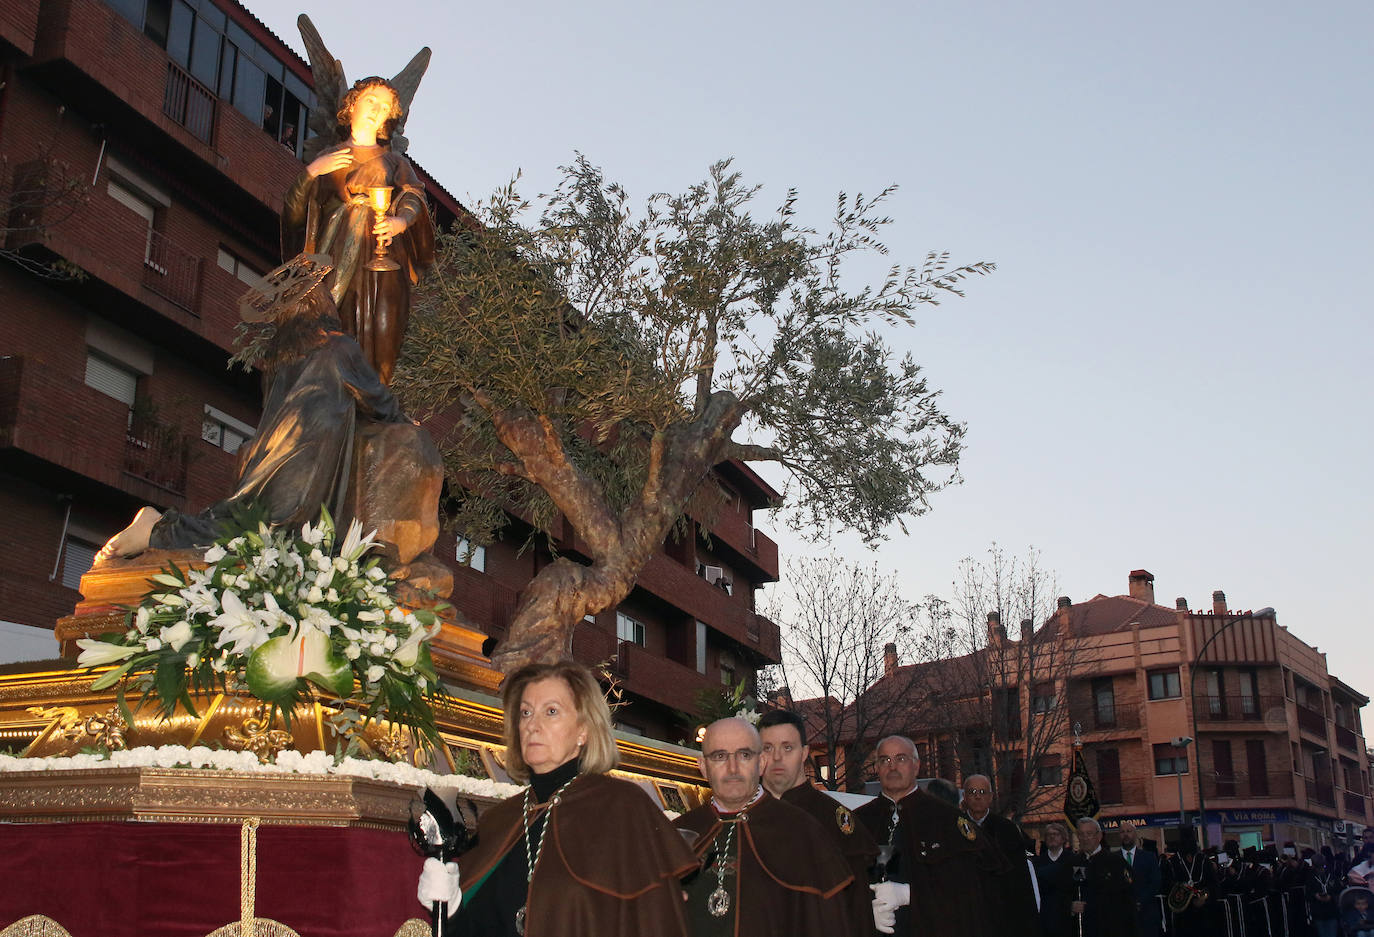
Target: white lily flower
(192, 661)
(273, 616)
(314, 595)
(96, 653)
(237, 626)
(353, 652)
(390, 642)
(407, 654)
(371, 614)
(312, 535)
(152, 644)
(176, 636)
(142, 618)
(374, 673)
(341, 564)
(376, 574)
(201, 601)
(355, 544)
(266, 560)
(215, 554)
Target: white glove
(887, 898)
(891, 895)
(439, 882)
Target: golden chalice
(379, 197)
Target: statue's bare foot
(132, 540)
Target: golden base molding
(184, 795)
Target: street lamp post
(1192, 704)
(1181, 743)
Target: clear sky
(1169, 368)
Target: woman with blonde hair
(578, 852)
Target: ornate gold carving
(40, 925)
(257, 736)
(105, 730)
(393, 746)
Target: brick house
(1279, 737)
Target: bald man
(766, 867)
(953, 873)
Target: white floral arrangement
(276, 612)
(287, 762)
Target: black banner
(1080, 800)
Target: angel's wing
(330, 88)
(406, 83)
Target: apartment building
(146, 148)
(1276, 748)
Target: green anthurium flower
(275, 666)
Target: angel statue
(357, 146)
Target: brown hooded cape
(855, 843)
(790, 874)
(609, 868)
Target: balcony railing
(189, 103)
(1321, 793)
(1270, 784)
(1347, 739)
(1104, 718)
(172, 273)
(1312, 720)
(156, 453)
(1353, 801)
(1235, 708)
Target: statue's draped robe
(330, 215)
(299, 458)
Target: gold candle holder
(379, 197)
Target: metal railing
(156, 453)
(189, 103)
(1347, 739)
(1321, 793)
(172, 273)
(1235, 707)
(1312, 720)
(1354, 801)
(1242, 784)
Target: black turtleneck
(545, 784)
(492, 909)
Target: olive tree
(588, 364)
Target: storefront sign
(1247, 816)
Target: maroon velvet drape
(182, 879)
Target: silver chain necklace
(718, 902)
(532, 854)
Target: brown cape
(955, 871)
(610, 865)
(855, 843)
(790, 874)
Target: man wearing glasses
(946, 875)
(766, 867)
(1022, 913)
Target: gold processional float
(179, 845)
